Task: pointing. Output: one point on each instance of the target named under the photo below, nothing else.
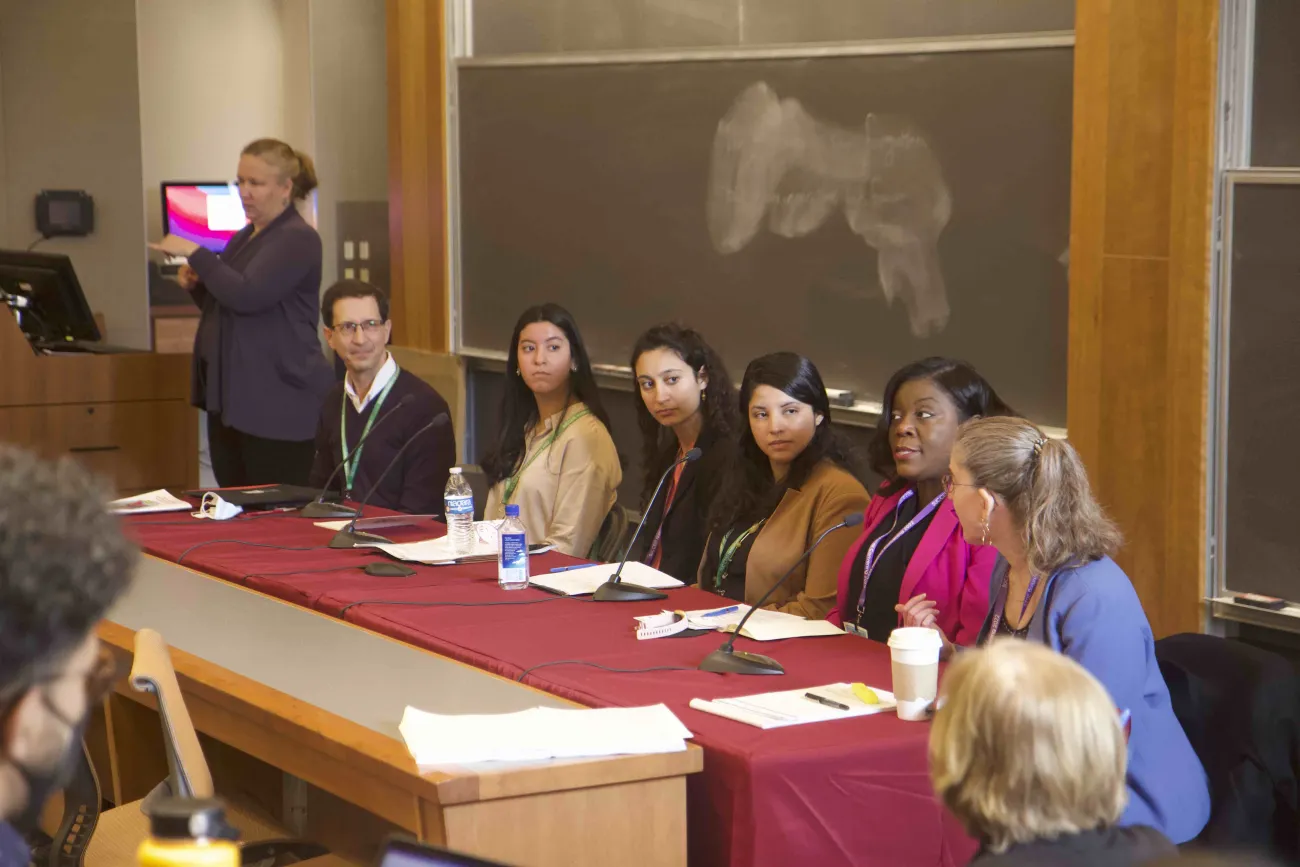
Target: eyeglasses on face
(949, 484)
(369, 326)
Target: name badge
(855, 629)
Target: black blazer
(257, 354)
(684, 530)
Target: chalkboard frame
(1222, 586)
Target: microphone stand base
(320, 509)
(727, 661)
(355, 539)
(621, 591)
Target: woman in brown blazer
(791, 480)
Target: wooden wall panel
(417, 182)
(1142, 184)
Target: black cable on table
(419, 604)
(187, 551)
(528, 671)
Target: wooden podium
(125, 416)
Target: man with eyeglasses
(376, 395)
(63, 562)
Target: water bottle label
(460, 505)
(514, 551)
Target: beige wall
(70, 119)
(349, 73)
(213, 77)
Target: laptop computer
(399, 851)
(262, 496)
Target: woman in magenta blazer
(912, 567)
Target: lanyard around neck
(350, 466)
(1001, 605)
(725, 557)
(874, 555)
(512, 483)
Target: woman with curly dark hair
(791, 479)
(687, 401)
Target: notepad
(441, 740)
(579, 582)
(160, 500)
(792, 707)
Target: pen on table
(567, 568)
(812, 696)
(721, 611)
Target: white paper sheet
(441, 740)
(770, 710)
(584, 580)
(762, 626)
(147, 504)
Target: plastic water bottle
(458, 500)
(512, 562)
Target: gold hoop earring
(704, 395)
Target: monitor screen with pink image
(207, 213)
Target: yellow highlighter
(865, 694)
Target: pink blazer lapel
(932, 544)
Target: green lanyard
(350, 467)
(725, 557)
(513, 482)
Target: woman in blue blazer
(259, 371)
(1055, 583)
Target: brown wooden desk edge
(387, 758)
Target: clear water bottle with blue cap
(512, 561)
(458, 502)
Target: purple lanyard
(873, 556)
(1001, 604)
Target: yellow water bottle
(185, 832)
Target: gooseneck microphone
(614, 590)
(726, 659)
(349, 536)
(318, 508)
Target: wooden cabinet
(125, 416)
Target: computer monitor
(208, 213)
(402, 851)
(43, 292)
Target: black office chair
(1240, 708)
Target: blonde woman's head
(1027, 746)
(1010, 482)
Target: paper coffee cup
(914, 652)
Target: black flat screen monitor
(43, 291)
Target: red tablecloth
(849, 792)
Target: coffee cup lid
(915, 638)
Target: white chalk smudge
(774, 160)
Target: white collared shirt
(385, 375)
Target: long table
(854, 791)
(302, 693)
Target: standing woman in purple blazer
(911, 566)
(259, 371)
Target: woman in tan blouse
(554, 455)
(791, 480)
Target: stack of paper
(441, 740)
(578, 582)
(794, 707)
(764, 625)
(145, 504)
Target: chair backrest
(152, 672)
(478, 484)
(611, 539)
(1240, 709)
